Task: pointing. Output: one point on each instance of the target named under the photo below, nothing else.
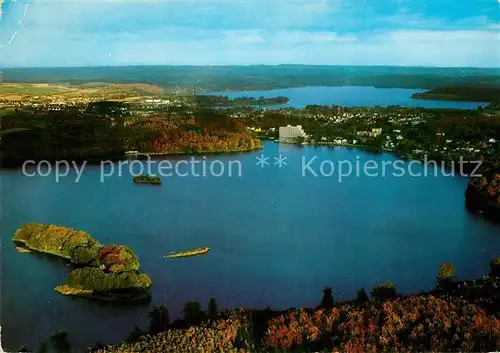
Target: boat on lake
(188, 253)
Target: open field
(23, 91)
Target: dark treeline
(480, 93)
(71, 133)
(224, 101)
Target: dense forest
(480, 93)
(72, 133)
(205, 130)
(105, 130)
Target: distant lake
(351, 96)
(277, 239)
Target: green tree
(60, 341)
(445, 275)
(327, 301)
(384, 291)
(23, 348)
(362, 297)
(159, 319)
(213, 309)
(495, 267)
(135, 335)
(300, 139)
(192, 313)
(43, 347)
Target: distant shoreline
(257, 77)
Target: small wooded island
(188, 253)
(108, 273)
(146, 179)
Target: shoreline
(80, 162)
(188, 253)
(368, 148)
(70, 291)
(26, 248)
(164, 154)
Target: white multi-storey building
(291, 133)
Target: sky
(444, 33)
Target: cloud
(295, 37)
(75, 33)
(280, 38)
(205, 47)
(243, 37)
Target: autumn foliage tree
(118, 258)
(419, 323)
(445, 275)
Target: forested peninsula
(106, 130)
(471, 93)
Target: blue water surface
(351, 96)
(278, 236)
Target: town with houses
(397, 129)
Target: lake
(277, 238)
(350, 96)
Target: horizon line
(247, 65)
